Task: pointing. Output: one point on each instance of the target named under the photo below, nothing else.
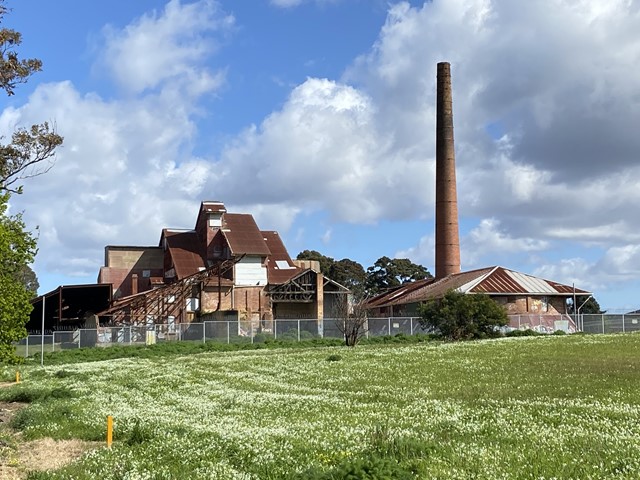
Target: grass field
(520, 408)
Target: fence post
(623, 323)
(298, 329)
(204, 338)
(130, 335)
(250, 330)
(602, 316)
(79, 338)
(275, 329)
(411, 325)
(389, 327)
(228, 336)
(27, 347)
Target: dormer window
(217, 251)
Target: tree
(346, 272)
(351, 321)
(458, 316)
(31, 150)
(29, 153)
(17, 249)
(27, 277)
(350, 274)
(388, 273)
(325, 262)
(587, 306)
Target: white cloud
(489, 241)
(167, 47)
(323, 150)
(422, 254)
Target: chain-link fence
(248, 331)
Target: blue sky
(318, 117)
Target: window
(146, 273)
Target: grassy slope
(541, 407)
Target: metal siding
(251, 272)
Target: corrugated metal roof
(392, 297)
(503, 281)
(186, 252)
(279, 258)
(243, 235)
(490, 280)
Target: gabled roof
(490, 280)
(280, 268)
(185, 251)
(243, 235)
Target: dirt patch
(18, 457)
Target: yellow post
(18, 376)
(109, 430)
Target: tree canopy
(346, 272)
(385, 273)
(17, 250)
(587, 306)
(458, 316)
(388, 273)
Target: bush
(458, 316)
(522, 333)
(334, 358)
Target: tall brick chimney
(447, 237)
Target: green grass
(520, 408)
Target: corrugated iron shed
(490, 280)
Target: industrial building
(225, 268)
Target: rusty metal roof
(490, 280)
(280, 268)
(502, 281)
(185, 251)
(398, 294)
(243, 235)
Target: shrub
(334, 357)
(523, 333)
(458, 316)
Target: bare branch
(352, 321)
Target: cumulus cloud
(167, 46)
(323, 150)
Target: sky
(318, 117)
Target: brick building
(241, 271)
(519, 293)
